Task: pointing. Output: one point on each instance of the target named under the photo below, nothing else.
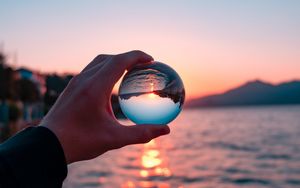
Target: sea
(248, 147)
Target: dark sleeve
(32, 158)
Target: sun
(152, 95)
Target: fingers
(115, 68)
(100, 59)
(138, 134)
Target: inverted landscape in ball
(151, 94)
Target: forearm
(32, 158)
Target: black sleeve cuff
(35, 158)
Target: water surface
(219, 147)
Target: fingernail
(149, 58)
(149, 62)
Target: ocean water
(219, 147)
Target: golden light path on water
(152, 164)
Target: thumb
(138, 134)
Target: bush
(14, 112)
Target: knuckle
(117, 58)
(101, 57)
(137, 52)
(75, 81)
(81, 86)
(127, 55)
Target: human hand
(82, 117)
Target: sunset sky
(213, 45)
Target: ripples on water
(220, 147)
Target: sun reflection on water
(152, 162)
(154, 170)
(151, 159)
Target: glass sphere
(151, 94)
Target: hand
(82, 117)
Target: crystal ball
(151, 94)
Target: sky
(213, 45)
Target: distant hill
(253, 93)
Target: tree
(6, 80)
(27, 91)
(55, 85)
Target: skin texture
(82, 117)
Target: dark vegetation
(26, 96)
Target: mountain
(253, 93)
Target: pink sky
(213, 46)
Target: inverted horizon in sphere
(150, 109)
(151, 94)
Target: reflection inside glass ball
(151, 94)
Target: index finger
(119, 63)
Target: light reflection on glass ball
(151, 94)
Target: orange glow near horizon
(152, 87)
(152, 95)
(211, 51)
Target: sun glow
(153, 164)
(152, 87)
(150, 158)
(152, 95)
(144, 173)
(150, 162)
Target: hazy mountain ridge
(253, 93)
